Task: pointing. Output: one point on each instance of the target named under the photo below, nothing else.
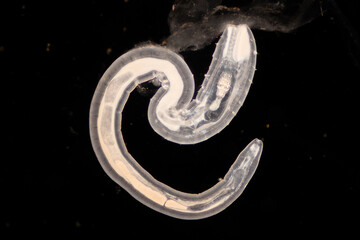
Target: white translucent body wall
(176, 117)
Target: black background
(303, 104)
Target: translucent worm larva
(175, 116)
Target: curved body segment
(177, 117)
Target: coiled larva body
(175, 116)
